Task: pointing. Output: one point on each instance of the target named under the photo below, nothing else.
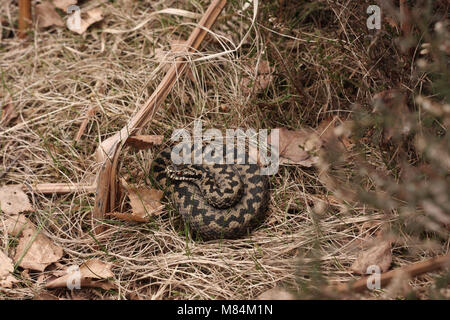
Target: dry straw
(57, 77)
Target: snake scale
(215, 200)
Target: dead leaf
(36, 251)
(96, 269)
(64, 4)
(13, 200)
(144, 203)
(378, 255)
(276, 293)
(259, 82)
(15, 224)
(6, 268)
(8, 112)
(297, 147)
(142, 142)
(93, 273)
(87, 19)
(47, 16)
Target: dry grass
(324, 64)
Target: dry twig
(413, 270)
(24, 17)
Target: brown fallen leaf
(8, 112)
(13, 200)
(142, 142)
(259, 82)
(276, 293)
(16, 223)
(144, 203)
(35, 251)
(93, 273)
(378, 254)
(297, 147)
(47, 16)
(87, 19)
(6, 268)
(63, 4)
(96, 269)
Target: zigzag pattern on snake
(215, 200)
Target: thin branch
(413, 270)
(24, 17)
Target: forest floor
(296, 65)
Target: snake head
(184, 172)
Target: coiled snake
(215, 200)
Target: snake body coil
(215, 200)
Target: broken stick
(413, 270)
(24, 17)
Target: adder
(215, 200)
